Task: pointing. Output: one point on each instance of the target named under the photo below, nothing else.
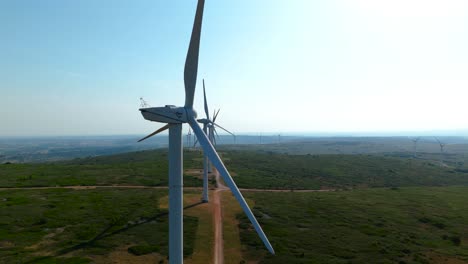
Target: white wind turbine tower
(174, 117)
(209, 128)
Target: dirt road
(218, 257)
(287, 190)
(79, 187)
(221, 187)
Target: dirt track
(218, 251)
(219, 183)
(79, 187)
(287, 190)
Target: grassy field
(99, 226)
(232, 243)
(148, 168)
(409, 221)
(400, 225)
(252, 169)
(280, 171)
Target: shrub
(142, 249)
(455, 240)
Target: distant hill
(43, 149)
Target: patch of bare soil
(45, 242)
(218, 257)
(194, 172)
(6, 244)
(286, 190)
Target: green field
(80, 226)
(149, 168)
(262, 170)
(399, 225)
(252, 169)
(390, 208)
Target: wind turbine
(174, 117)
(442, 145)
(415, 142)
(209, 128)
(189, 138)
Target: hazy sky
(80, 67)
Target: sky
(80, 67)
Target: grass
(232, 243)
(74, 226)
(204, 237)
(280, 171)
(252, 169)
(149, 168)
(404, 225)
(424, 224)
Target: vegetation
(44, 226)
(399, 225)
(353, 145)
(410, 221)
(149, 168)
(255, 169)
(252, 169)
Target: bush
(142, 249)
(455, 240)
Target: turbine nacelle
(168, 114)
(203, 121)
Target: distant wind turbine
(189, 138)
(442, 145)
(415, 142)
(174, 117)
(209, 128)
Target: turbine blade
(216, 132)
(156, 132)
(191, 62)
(218, 163)
(206, 103)
(223, 128)
(216, 115)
